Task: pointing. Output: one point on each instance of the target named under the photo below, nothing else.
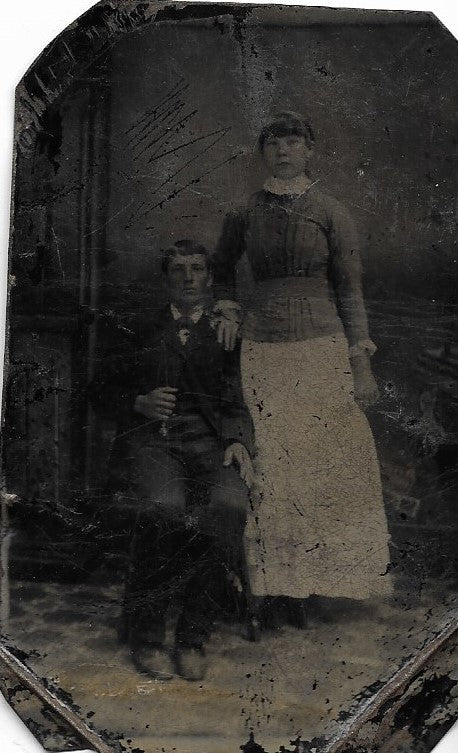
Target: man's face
(188, 280)
(286, 156)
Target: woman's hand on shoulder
(226, 333)
(227, 320)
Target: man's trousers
(189, 517)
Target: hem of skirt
(293, 594)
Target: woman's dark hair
(184, 248)
(287, 123)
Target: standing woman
(318, 526)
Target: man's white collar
(194, 316)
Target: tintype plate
(230, 426)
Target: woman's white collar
(290, 186)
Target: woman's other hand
(238, 454)
(366, 390)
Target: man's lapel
(201, 371)
(163, 352)
(169, 334)
(200, 334)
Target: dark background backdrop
(155, 140)
(186, 105)
(382, 100)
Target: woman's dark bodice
(285, 236)
(310, 237)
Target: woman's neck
(295, 186)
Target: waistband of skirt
(290, 309)
(293, 287)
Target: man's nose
(188, 274)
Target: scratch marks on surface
(162, 132)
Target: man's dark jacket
(154, 357)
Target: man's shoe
(298, 614)
(153, 661)
(191, 663)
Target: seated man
(181, 465)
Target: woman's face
(286, 156)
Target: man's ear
(210, 280)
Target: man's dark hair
(184, 248)
(287, 124)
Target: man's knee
(167, 503)
(229, 487)
(159, 486)
(170, 500)
(229, 499)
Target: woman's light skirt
(317, 524)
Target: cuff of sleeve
(362, 347)
(228, 442)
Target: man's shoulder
(151, 324)
(159, 317)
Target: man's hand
(366, 390)
(238, 454)
(158, 404)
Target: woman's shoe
(298, 613)
(253, 629)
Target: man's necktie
(184, 324)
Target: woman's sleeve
(346, 277)
(228, 252)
